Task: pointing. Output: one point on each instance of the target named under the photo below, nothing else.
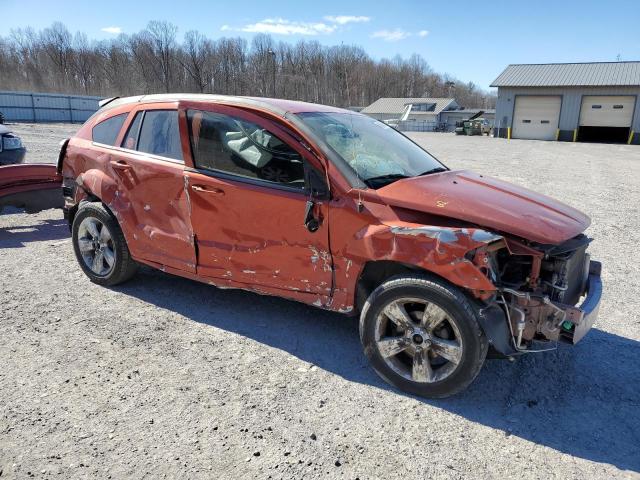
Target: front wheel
(422, 336)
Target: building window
(596, 106)
(618, 107)
(423, 107)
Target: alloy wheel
(418, 340)
(96, 246)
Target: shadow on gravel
(18, 236)
(583, 400)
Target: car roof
(275, 105)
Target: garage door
(536, 117)
(606, 111)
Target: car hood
(490, 203)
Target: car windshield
(376, 152)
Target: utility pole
(273, 56)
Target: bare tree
(193, 58)
(153, 61)
(56, 43)
(83, 62)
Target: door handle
(211, 190)
(120, 165)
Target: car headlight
(11, 143)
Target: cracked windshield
(378, 153)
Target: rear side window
(107, 131)
(159, 134)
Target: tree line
(155, 61)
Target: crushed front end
(546, 292)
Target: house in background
(423, 116)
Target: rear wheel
(422, 336)
(100, 246)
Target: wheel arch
(96, 186)
(375, 272)
(490, 316)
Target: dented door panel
(255, 235)
(148, 199)
(152, 192)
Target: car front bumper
(583, 317)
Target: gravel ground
(168, 378)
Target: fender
(98, 184)
(447, 252)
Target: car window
(376, 152)
(159, 134)
(107, 131)
(224, 143)
(130, 140)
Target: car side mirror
(310, 221)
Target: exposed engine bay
(540, 286)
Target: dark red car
(334, 209)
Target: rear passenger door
(149, 168)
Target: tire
(449, 328)
(116, 265)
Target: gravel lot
(164, 377)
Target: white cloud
(114, 30)
(281, 26)
(423, 33)
(344, 19)
(391, 35)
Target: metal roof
(570, 75)
(397, 105)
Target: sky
(470, 40)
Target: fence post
(33, 107)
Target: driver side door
(249, 189)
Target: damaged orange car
(334, 209)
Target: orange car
(334, 209)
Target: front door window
(225, 144)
